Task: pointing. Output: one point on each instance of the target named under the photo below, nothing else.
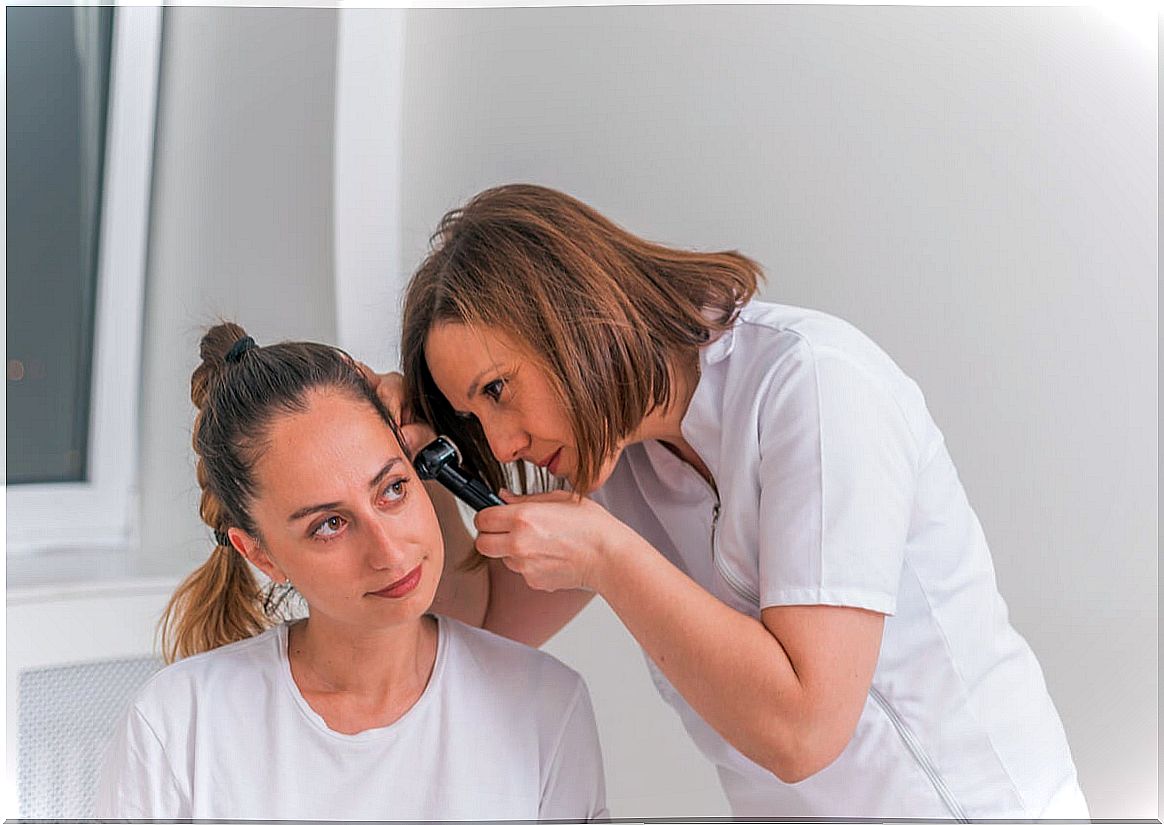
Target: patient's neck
(358, 679)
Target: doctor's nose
(506, 443)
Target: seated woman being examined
(370, 707)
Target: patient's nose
(384, 549)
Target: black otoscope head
(441, 460)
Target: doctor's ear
(249, 548)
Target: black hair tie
(241, 346)
(223, 539)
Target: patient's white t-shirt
(502, 731)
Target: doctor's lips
(402, 587)
(551, 463)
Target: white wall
(368, 163)
(974, 187)
(241, 227)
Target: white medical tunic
(501, 732)
(835, 487)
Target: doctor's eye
(493, 389)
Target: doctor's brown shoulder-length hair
(604, 312)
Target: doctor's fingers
(521, 516)
(389, 386)
(554, 496)
(416, 436)
(517, 545)
(538, 575)
(497, 546)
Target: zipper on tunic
(741, 588)
(919, 755)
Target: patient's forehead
(335, 442)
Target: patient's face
(341, 512)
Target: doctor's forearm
(525, 615)
(461, 594)
(727, 666)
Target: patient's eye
(395, 490)
(329, 528)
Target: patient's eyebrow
(384, 471)
(303, 512)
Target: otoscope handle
(472, 491)
(441, 461)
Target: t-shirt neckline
(387, 731)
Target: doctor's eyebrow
(303, 512)
(473, 384)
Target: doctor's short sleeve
(838, 468)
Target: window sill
(80, 572)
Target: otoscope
(441, 460)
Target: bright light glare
(1140, 18)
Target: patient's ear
(250, 549)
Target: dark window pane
(58, 88)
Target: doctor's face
(341, 513)
(484, 373)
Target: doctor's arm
(490, 595)
(786, 691)
(836, 492)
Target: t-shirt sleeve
(838, 469)
(136, 780)
(575, 785)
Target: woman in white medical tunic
(757, 491)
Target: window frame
(101, 512)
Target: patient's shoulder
(504, 662)
(230, 668)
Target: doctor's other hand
(389, 386)
(555, 541)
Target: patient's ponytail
(217, 604)
(220, 602)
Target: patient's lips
(400, 588)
